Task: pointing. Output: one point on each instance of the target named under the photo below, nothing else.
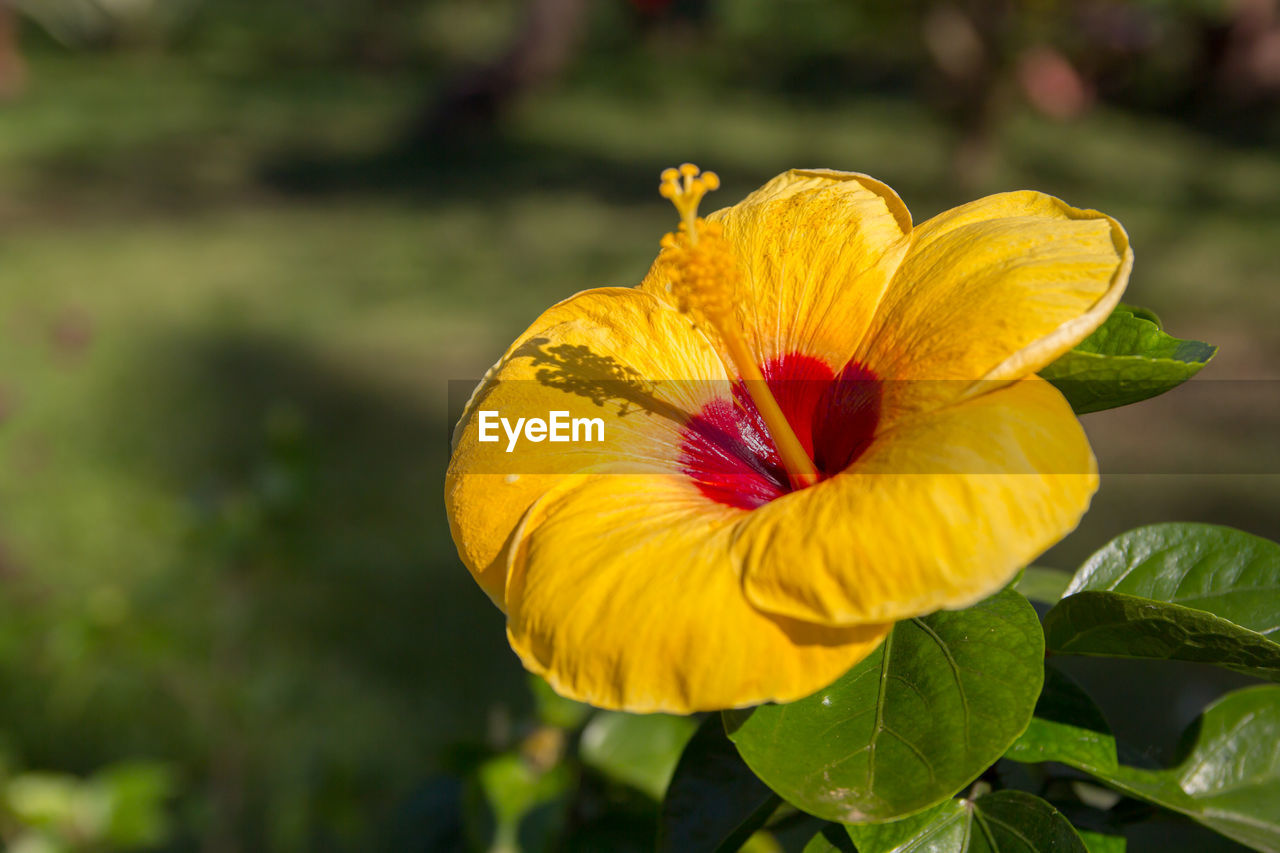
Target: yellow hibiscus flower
(820, 420)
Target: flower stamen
(703, 282)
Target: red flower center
(728, 452)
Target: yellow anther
(703, 272)
(703, 280)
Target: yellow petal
(939, 512)
(815, 250)
(622, 593)
(600, 354)
(993, 290)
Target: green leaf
(512, 788)
(1127, 359)
(1223, 571)
(943, 828)
(1043, 585)
(922, 716)
(1002, 822)
(634, 749)
(1097, 842)
(1141, 313)
(714, 801)
(1228, 778)
(1195, 592)
(1114, 625)
(553, 709)
(831, 839)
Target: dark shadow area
(338, 623)
(481, 166)
(1149, 704)
(377, 551)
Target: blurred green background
(246, 244)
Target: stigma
(703, 278)
(703, 272)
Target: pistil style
(703, 281)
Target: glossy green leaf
(1114, 625)
(1194, 592)
(714, 801)
(1041, 584)
(1127, 359)
(1001, 822)
(640, 750)
(1223, 571)
(912, 724)
(1228, 778)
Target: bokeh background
(246, 244)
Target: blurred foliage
(98, 23)
(119, 808)
(233, 286)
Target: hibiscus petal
(939, 512)
(993, 290)
(816, 250)
(600, 354)
(622, 593)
